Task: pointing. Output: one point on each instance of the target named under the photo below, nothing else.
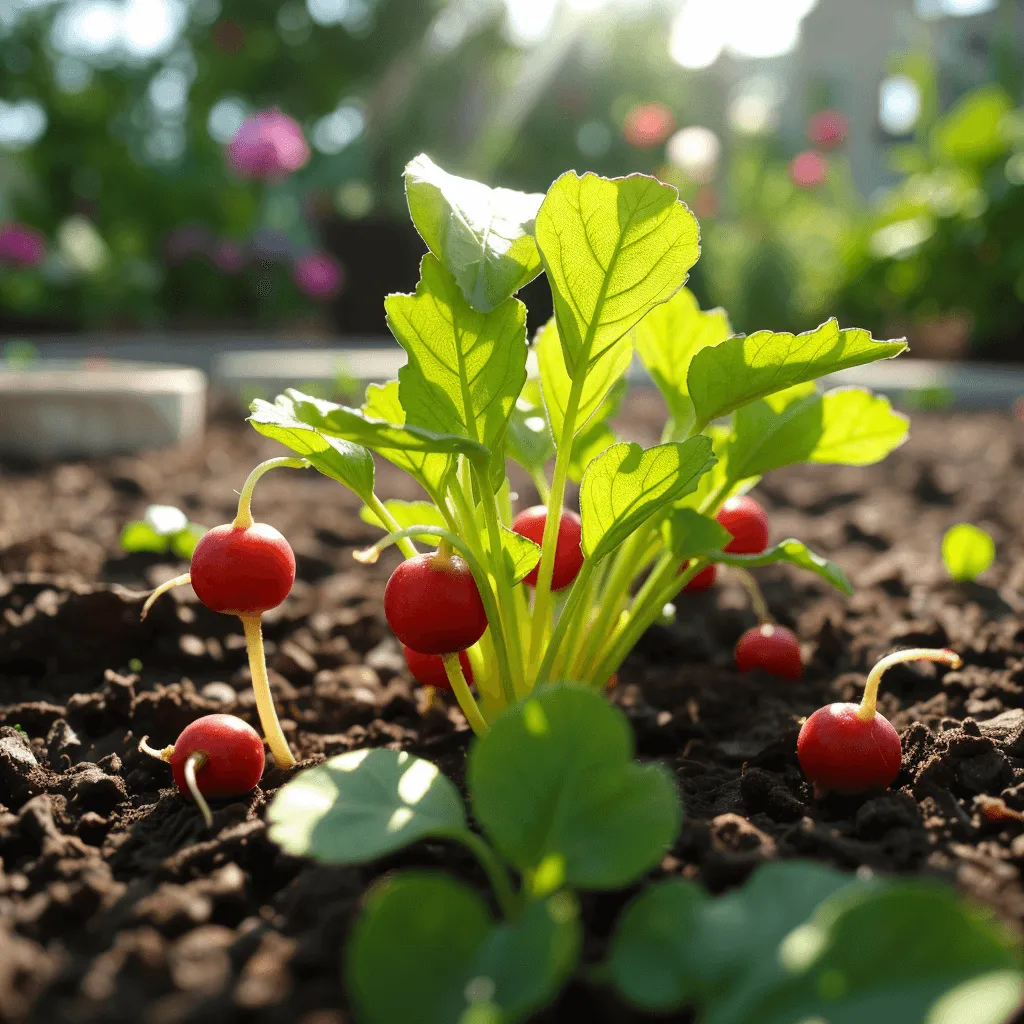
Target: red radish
(704, 580)
(245, 568)
(433, 605)
(774, 649)
(851, 748)
(216, 755)
(428, 669)
(242, 571)
(530, 524)
(747, 522)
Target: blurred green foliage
(148, 228)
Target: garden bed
(116, 904)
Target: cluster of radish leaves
(564, 807)
(474, 392)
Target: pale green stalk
(244, 518)
(379, 509)
(576, 596)
(462, 693)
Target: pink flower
(648, 125)
(828, 129)
(268, 146)
(808, 169)
(228, 256)
(20, 245)
(317, 275)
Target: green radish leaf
(794, 552)
(745, 368)
(716, 485)
(604, 373)
(362, 805)
(667, 339)
(528, 440)
(908, 951)
(626, 485)
(857, 428)
(588, 445)
(847, 426)
(294, 411)
(688, 534)
(612, 250)
(429, 469)
(407, 513)
(653, 955)
(590, 817)
(483, 236)
(967, 551)
(465, 368)
(519, 553)
(140, 536)
(673, 945)
(184, 542)
(446, 959)
(349, 463)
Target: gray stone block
(55, 409)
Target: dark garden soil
(116, 904)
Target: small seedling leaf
(556, 384)
(465, 368)
(407, 513)
(626, 485)
(483, 235)
(590, 817)
(519, 554)
(796, 553)
(138, 535)
(362, 805)
(967, 552)
(745, 368)
(612, 249)
(667, 339)
(425, 950)
(183, 543)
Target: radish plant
(799, 941)
(545, 595)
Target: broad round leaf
(555, 786)
(967, 552)
(426, 951)
(362, 805)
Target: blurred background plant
(236, 164)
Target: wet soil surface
(116, 904)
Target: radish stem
(193, 763)
(252, 624)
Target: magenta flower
(808, 169)
(268, 146)
(228, 256)
(317, 275)
(828, 129)
(20, 245)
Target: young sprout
(967, 552)
(245, 568)
(851, 748)
(216, 755)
